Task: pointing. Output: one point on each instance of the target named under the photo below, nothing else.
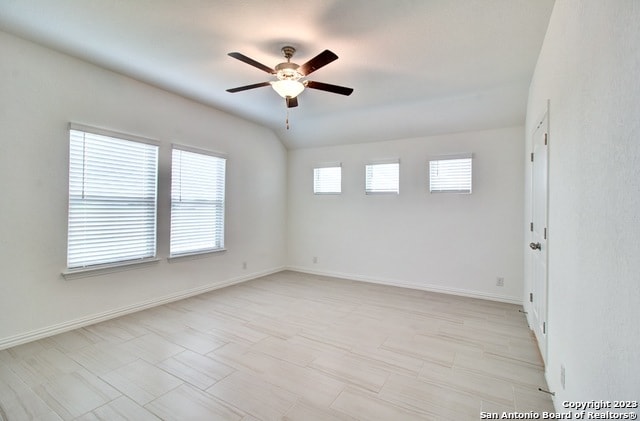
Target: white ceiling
(418, 67)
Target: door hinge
(545, 138)
(544, 327)
(531, 297)
(531, 226)
(545, 233)
(531, 156)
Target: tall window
(327, 180)
(451, 174)
(112, 198)
(382, 178)
(197, 202)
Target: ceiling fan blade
(252, 62)
(292, 102)
(317, 62)
(329, 88)
(247, 87)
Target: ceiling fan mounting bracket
(288, 52)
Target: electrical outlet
(244, 265)
(315, 259)
(500, 281)
(562, 375)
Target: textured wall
(41, 91)
(588, 68)
(447, 242)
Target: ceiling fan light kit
(288, 88)
(289, 83)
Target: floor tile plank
(141, 381)
(189, 403)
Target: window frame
(450, 157)
(89, 266)
(222, 206)
(367, 188)
(317, 183)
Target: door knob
(535, 246)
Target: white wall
(41, 91)
(588, 68)
(446, 242)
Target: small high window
(382, 178)
(451, 174)
(327, 180)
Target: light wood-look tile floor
(288, 346)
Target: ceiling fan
(290, 83)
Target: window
(382, 178)
(197, 202)
(327, 180)
(112, 198)
(451, 174)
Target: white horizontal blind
(197, 202)
(452, 175)
(327, 180)
(382, 178)
(112, 199)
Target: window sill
(97, 270)
(467, 192)
(195, 255)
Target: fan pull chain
(287, 119)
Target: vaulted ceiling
(418, 67)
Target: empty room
(319, 210)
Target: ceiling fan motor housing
(288, 71)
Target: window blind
(327, 180)
(453, 175)
(382, 178)
(197, 202)
(112, 199)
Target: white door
(539, 234)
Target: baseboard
(122, 311)
(396, 283)
(111, 314)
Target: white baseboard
(34, 335)
(111, 314)
(396, 283)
